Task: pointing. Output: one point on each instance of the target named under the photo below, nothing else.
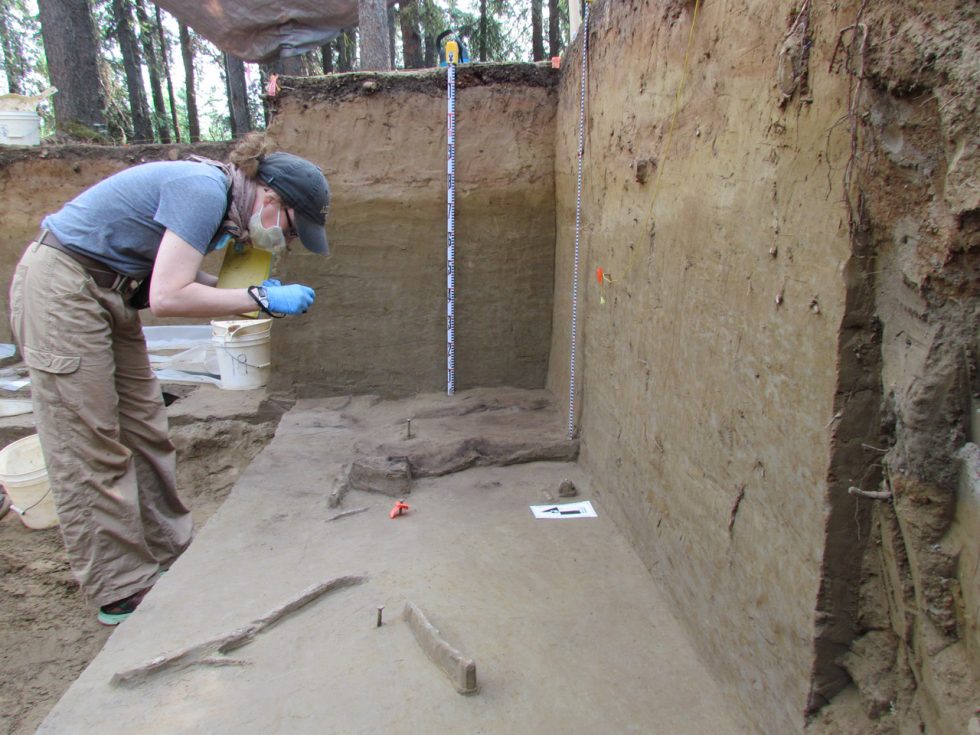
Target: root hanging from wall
(914, 657)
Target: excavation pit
(566, 634)
(776, 303)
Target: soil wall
(709, 355)
(380, 318)
(916, 203)
(738, 373)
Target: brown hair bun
(247, 154)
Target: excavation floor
(568, 632)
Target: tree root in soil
(213, 651)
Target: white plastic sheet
(190, 355)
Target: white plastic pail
(244, 352)
(25, 478)
(20, 128)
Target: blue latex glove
(291, 299)
(271, 282)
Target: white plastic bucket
(20, 128)
(244, 351)
(25, 478)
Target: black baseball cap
(304, 188)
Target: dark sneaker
(115, 612)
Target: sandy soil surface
(567, 631)
(48, 632)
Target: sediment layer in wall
(777, 340)
(381, 297)
(720, 407)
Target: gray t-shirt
(121, 220)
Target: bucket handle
(236, 328)
(241, 360)
(23, 511)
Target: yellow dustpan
(244, 266)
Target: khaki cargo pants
(102, 423)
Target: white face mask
(272, 239)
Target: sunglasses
(292, 233)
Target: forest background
(154, 79)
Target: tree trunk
(392, 25)
(554, 28)
(142, 127)
(165, 58)
(147, 34)
(430, 18)
(373, 26)
(187, 54)
(483, 30)
(431, 53)
(537, 31)
(408, 18)
(241, 121)
(345, 51)
(73, 63)
(264, 73)
(14, 64)
(326, 52)
(290, 66)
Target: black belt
(102, 274)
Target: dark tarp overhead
(260, 30)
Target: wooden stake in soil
(460, 670)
